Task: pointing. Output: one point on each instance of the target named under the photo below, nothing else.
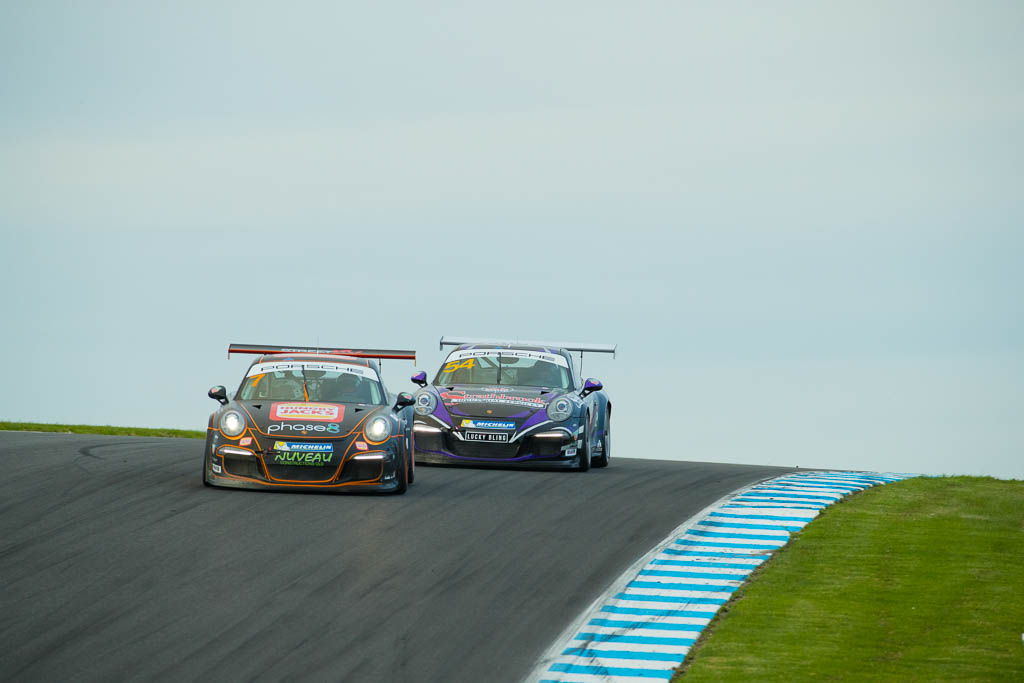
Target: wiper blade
(305, 389)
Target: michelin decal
(487, 424)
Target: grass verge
(918, 580)
(100, 429)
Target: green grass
(100, 429)
(919, 580)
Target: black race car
(311, 419)
(513, 402)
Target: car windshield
(312, 381)
(505, 366)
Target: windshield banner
(555, 358)
(286, 366)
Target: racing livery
(512, 402)
(311, 419)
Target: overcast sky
(803, 223)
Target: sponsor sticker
(245, 441)
(287, 366)
(487, 424)
(501, 437)
(303, 447)
(301, 427)
(496, 397)
(320, 412)
(361, 446)
(301, 459)
(556, 358)
(454, 365)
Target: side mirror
(404, 400)
(219, 394)
(591, 385)
(419, 378)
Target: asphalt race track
(115, 562)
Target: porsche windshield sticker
(319, 412)
(555, 358)
(287, 366)
(487, 424)
(496, 397)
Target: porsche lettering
(555, 358)
(308, 366)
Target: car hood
(305, 419)
(496, 401)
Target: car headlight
(560, 409)
(232, 423)
(377, 429)
(425, 402)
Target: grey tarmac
(116, 563)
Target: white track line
(642, 626)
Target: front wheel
(600, 459)
(206, 464)
(412, 459)
(402, 475)
(583, 456)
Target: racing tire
(412, 460)
(403, 477)
(606, 443)
(206, 466)
(583, 458)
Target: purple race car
(495, 402)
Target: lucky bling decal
(319, 412)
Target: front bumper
(371, 470)
(436, 445)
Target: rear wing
(568, 346)
(399, 354)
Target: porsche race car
(311, 419)
(512, 402)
